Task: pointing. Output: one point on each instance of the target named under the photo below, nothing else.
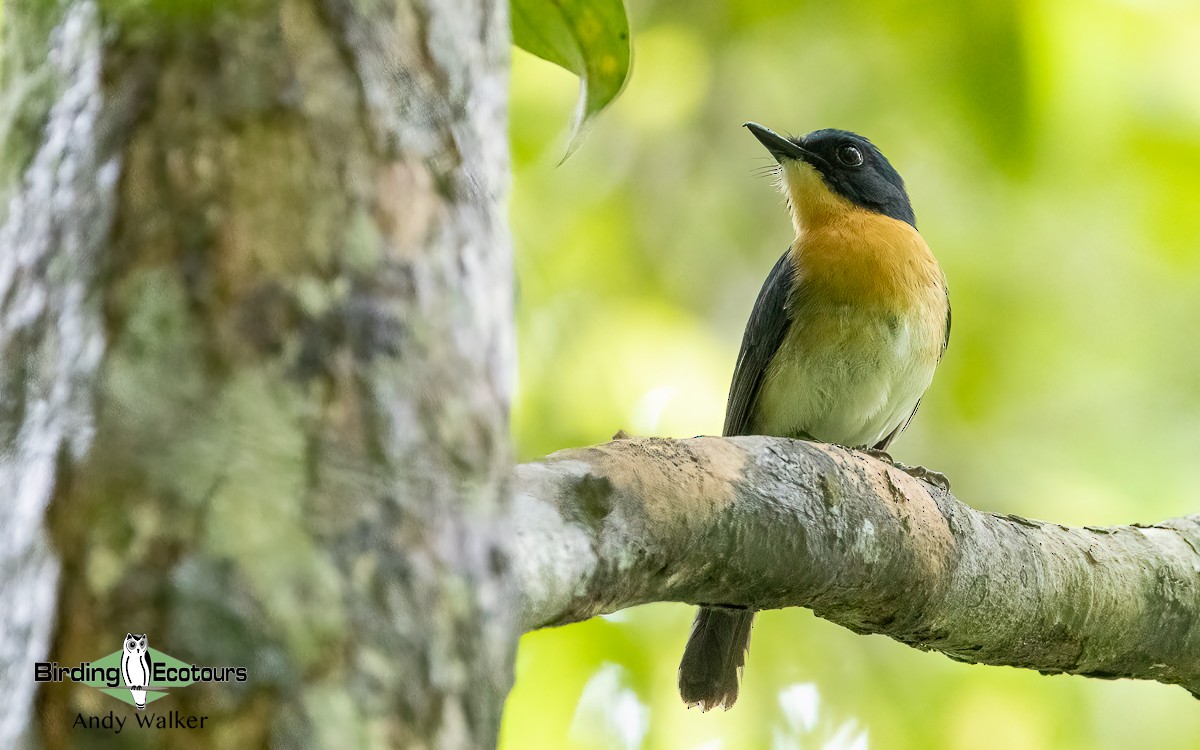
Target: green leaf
(590, 38)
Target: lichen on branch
(768, 522)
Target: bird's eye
(849, 155)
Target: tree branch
(769, 522)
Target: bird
(840, 347)
(136, 667)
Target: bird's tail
(712, 662)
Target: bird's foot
(929, 476)
(880, 454)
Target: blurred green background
(1052, 151)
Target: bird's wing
(946, 340)
(764, 333)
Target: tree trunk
(255, 345)
(255, 348)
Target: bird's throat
(810, 200)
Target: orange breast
(868, 323)
(862, 258)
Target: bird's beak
(781, 148)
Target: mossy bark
(289, 443)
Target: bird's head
(829, 170)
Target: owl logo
(136, 667)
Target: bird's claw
(880, 454)
(929, 476)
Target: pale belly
(847, 376)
